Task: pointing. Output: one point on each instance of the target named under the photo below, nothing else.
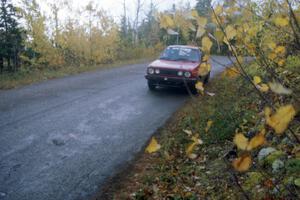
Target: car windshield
(181, 54)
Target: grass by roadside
(170, 174)
(24, 77)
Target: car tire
(193, 89)
(151, 85)
(206, 78)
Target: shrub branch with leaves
(268, 32)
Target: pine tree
(11, 37)
(203, 7)
(149, 29)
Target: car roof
(184, 46)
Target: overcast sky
(114, 7)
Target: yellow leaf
(281, 62)
(231, 72)
(279, 89)
(256, 141)
(256, 80)
(199, 86)
(208, 67)
(202, 21)
(200, 32)
(194, 13)
(241, 141)
(153, 146)
(242, 163)
(240, 59)
(280, 50)
(253, 31)
(204, 69)
(205, 58)
(230, 32)
(166, 22)
(218, 9)
(206, 44)
(281, 119)
(272, 56)
(281, 21)
(263, 132)
(197, 140)
(191, 147)
(208, 125)
(263, 87)
(271, 45)
(169, 20)
(219, 35)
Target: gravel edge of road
(114, 182)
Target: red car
(177, 67)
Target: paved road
(61, 139)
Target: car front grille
(168, 72)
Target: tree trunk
(1, 64)
(8, 64)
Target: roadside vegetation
(192, 154)
(240, 138)
(26, 77)
(37, 43)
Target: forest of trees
(33, 39)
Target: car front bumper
(170, 81)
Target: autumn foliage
(268, 33)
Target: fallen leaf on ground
(191, 147)
(192, 156)
(256, 141)
(231, 72)
(256, 80)
(242, 163)
(208, 125)
(280, 50)
(279, 89)
(188, 132)
(153, 146)
(263, 87)
(281, 119)
(210, 94)
(241, 141)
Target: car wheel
(206, 78)
(193, 90)
(151, 85)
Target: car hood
(175, 64)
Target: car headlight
(180, 73)
(157, 71)
(187, 74)
(150, 70)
